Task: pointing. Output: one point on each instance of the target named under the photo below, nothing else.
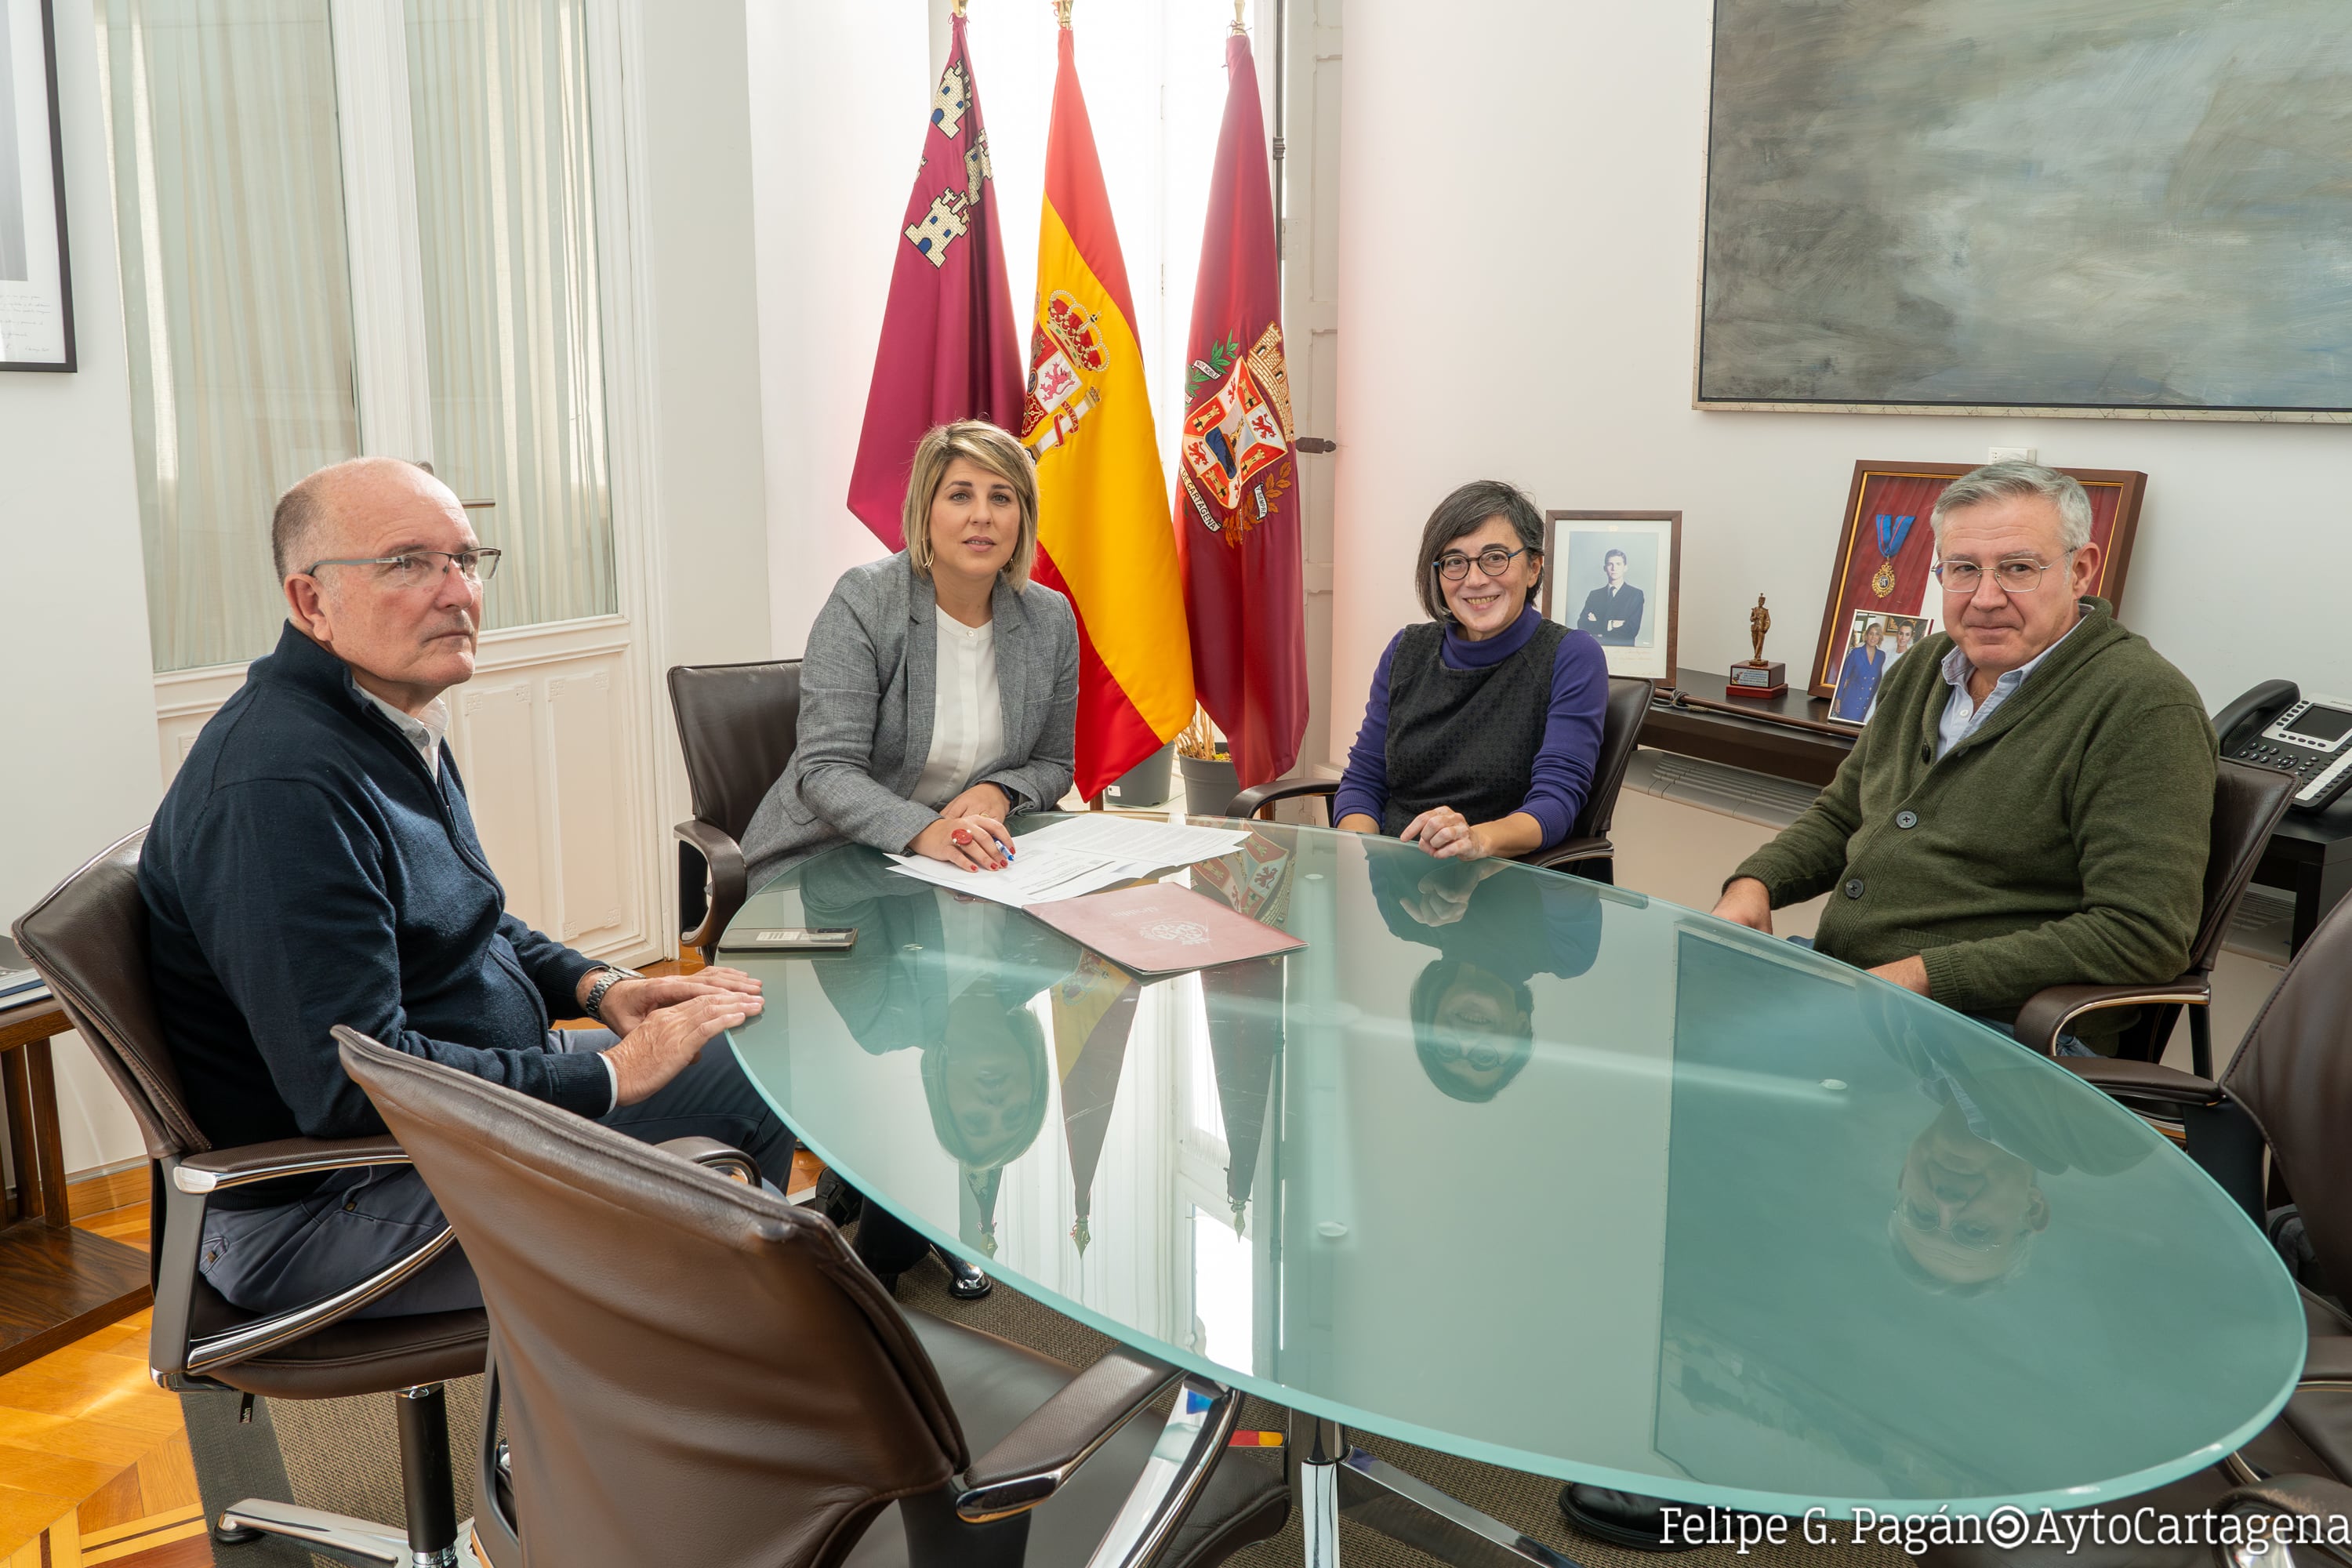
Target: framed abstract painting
(35, 281)
(1884, 568)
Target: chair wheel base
(235, 1535)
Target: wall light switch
(2011, 455)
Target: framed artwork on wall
(36, 282)
(2057, 206)
(1618, 575)
(1882, 571)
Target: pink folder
(1159, 928)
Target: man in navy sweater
(314, 864)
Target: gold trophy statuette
(1757, 677)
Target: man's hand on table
(1911, 973)
(632, 1002)
(1747, 902)
(669, 1039)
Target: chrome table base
(1336, 1479)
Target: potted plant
(1210, 783)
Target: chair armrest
(1250, 802)
(218, 1170)
(2296, 1497)
(2143, 1080)
(1570, 852)
(2047, 1011)
(722, 879)
(1033, 1461)
(710, 1153)
(174, 1348)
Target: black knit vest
(1464, 738)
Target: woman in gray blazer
(940, 692)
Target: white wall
(80, 769)
(836, 125)
(698, 293)
(1521, 215)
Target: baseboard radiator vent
(1716, 787)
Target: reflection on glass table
(1539, 1173)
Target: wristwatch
(592, 1003)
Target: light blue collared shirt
(1962, 718)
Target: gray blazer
(867, 686)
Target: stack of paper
(1081, 856)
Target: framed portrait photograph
(1874, 643)
(1886, 558)
(36, 284)
(1618, 575)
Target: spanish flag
(1103, 519)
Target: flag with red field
(1102, 518)
(949, 348)
(1236, 518)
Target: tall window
(235, 129)
(229, 199)
(506, 220)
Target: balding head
(368, 553)
(310, 523)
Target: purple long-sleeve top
(1571, 737)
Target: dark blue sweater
(305, 870)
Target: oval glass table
(1541, 1173)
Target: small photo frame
(1886, 551)
(1875, 642)
(1618, 575)
(35, 278)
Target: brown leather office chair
(89, 940)
(1586, 849)
(2248, 801)
(694, 1371)
(737, 724)
(2288, 1092)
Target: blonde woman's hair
(993, 449)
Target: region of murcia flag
(1103, 522)
(949, 348)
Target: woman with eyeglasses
(1484, 722)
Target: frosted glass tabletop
(1541, 1173)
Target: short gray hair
(2007, 481)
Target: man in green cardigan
(2030, 804)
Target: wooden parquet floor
(94, 1462)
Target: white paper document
(1034, 875)
(1149, 844)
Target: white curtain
(507, 217)
(236, 297)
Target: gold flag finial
(1062, 11)
(1241, 8)
(959, 7)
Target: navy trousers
(276, 1259)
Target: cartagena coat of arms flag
(1237, 507)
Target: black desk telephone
(2311, 737)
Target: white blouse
(967, 713)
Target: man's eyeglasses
(2018, 575)
(1494, 561)
(416, 567)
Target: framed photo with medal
(1884, 568)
